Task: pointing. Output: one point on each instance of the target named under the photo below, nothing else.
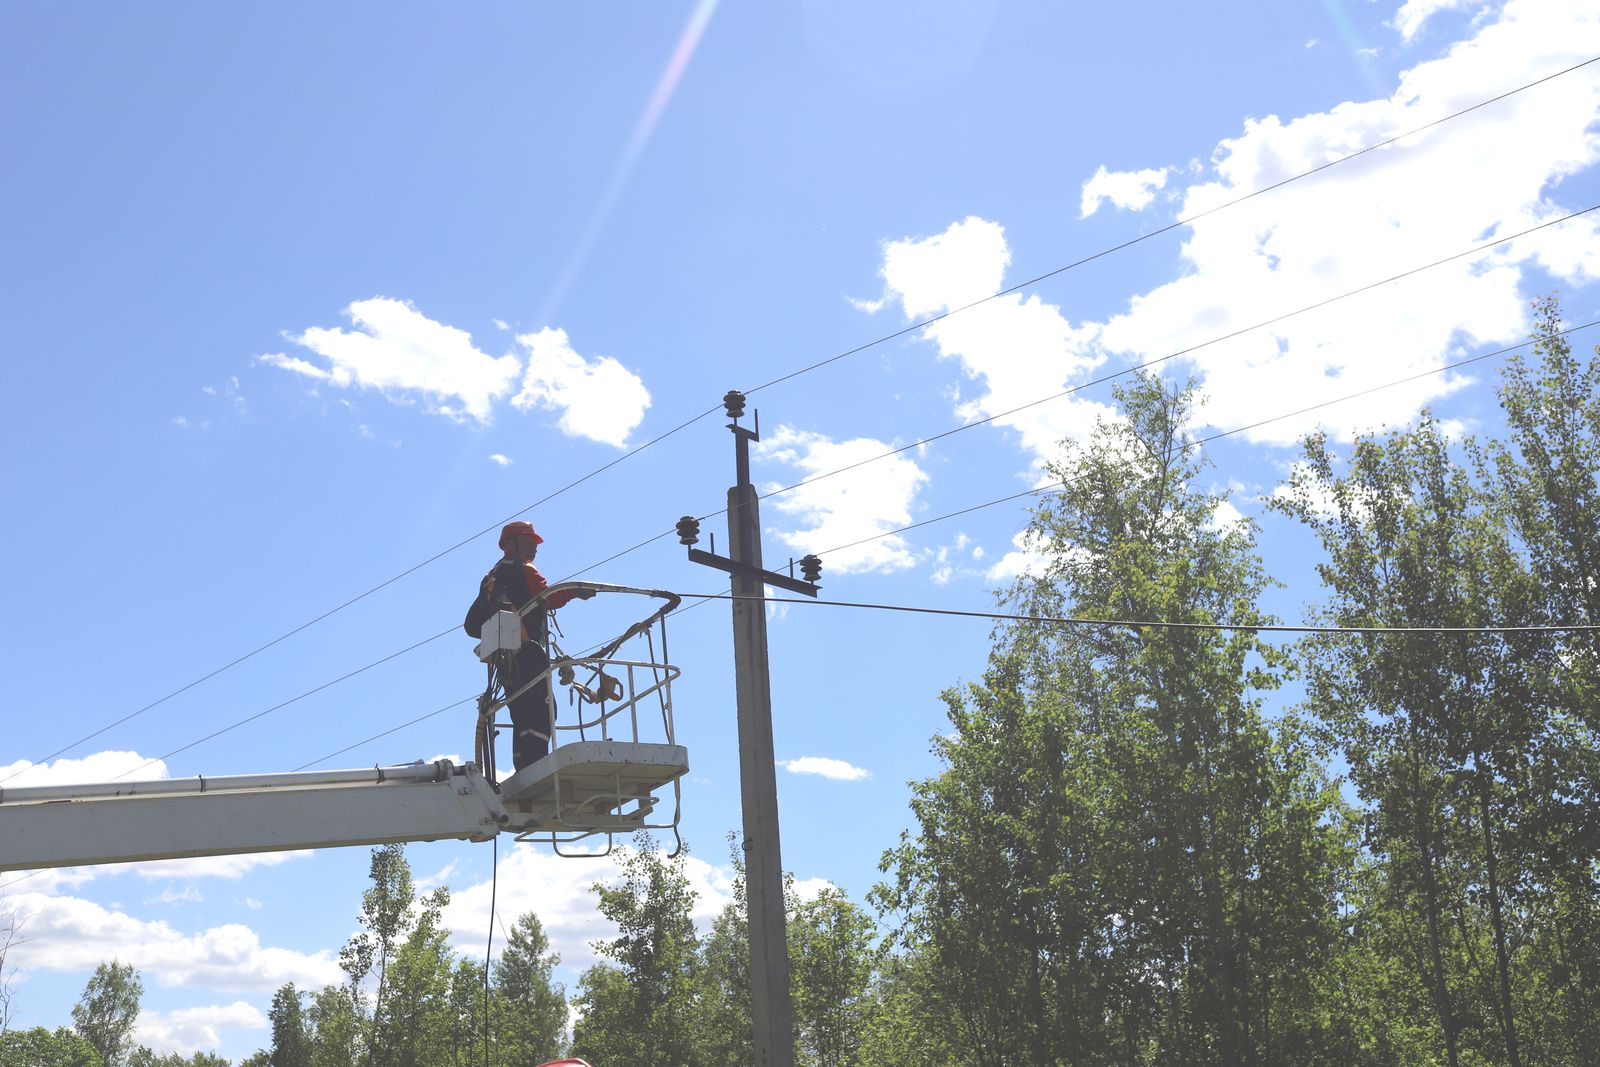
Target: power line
(1201, 442)
(1157, 624)
(1113, 376)
(386, 733)
(283, 704)
(887, 533)
(1180, 352)
(362, 596)
(1187, 220)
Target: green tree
(39, 1047)
(384, 918)
(336, 1028)
(11, 937)
(1545, 475)
(144, 1057)
(106, 1012)
(831, 961)
(642, 1010)
(1123, 860)
(906, 1025)
(530, 1009)
(463, 1044)
(291, 1043)
(412, 1013)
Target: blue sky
(297, 297)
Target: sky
(296, 298)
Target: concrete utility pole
(770, 1007)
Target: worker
(512, 583)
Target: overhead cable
(1180, 352)
(920, 324)
(283, 704)
(1201, 442)
(1185, 221)
(1159, 624)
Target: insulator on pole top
(811, 568)
(733, 403)
(688, 530)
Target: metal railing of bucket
(615, 696)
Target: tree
(530, 1009)
(144, 1057)
(291, 1043)
(39, 1047)
(411, 1015)
(1546, 475)
(1123, 859)
(106, 1012)
(336, 1028)
(11, 938)
(832, 964)
(642, 1010)
(384, 917)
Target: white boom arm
(602, 783)
(592, 786)
(64, 826)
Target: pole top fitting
(733, 403)
(688, 530)
(811, 568)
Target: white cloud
(1025, 557)
(190, 1030)
(97, 767)
(1224, 516)
(825, 767)
(187, 895)
(1130, 190)
(812, 888)
(402, 353)
(559, 890)
(1022, 349)
(72, 934)
(500, 460)
(1413, 13)
(1494, 172)
(231, 868)
(836, 511)
(599, 399)
(501, 324)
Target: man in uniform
(512, 583)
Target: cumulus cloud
(598, 398)
(1130, 190)
(190, 1030)
(560, 890)
(825, 767)
(845, 508)
(400, 352)
(1020, 348)
(1494, 172)
(97, 767)
(500, 460)
(72, 934)
(1413, 13)
(1026, 557)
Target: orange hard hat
(519, 528)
